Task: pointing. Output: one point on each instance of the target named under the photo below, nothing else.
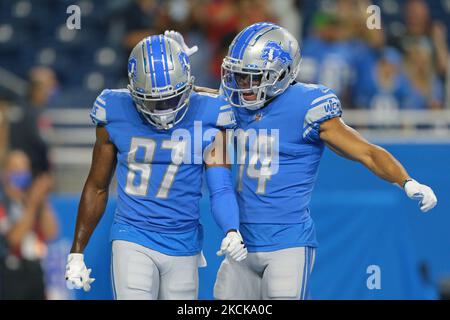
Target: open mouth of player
(249, 96)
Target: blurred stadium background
(393, 83)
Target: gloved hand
(417, 191)
(77, 275)
(175, 35)
(233, 246)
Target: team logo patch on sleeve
(226, 119)
(323, 108)
(98, 112)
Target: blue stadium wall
(361, 221)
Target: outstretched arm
(348, 143)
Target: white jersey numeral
(178, 151)
(144, 169)
(261, 151)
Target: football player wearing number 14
(156, 235)
(258, 79)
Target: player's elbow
(371, 154)
(96, 188)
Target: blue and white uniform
(159, 178)
(274, 201)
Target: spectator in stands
(327, 59)
(4, 129)
(236, 16)
(219, 20)
(385, 88)
(252, 11)
(288, 15)
(26, 132)
(420, 29)
(353, 16)
(141, 19)
(428, 90)
(26, 223)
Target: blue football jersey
(275, 182)
(159, 172)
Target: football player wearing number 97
(146, 134)
(258, 79)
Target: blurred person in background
(288, 15)
(218, 18)
(252, 11)
(4, 129)
(219, 21)
(420, 29)
(132, 20)
(384, 86)
(327, 59)
(428, 90)
(142, 18)
(28, 129)
(27, 221)
(353, 15)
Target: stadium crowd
(404, 68)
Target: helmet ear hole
(282, 75)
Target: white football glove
(175, 35)
(233, 246)
(417, 191)
(77, 275)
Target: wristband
(405, 182)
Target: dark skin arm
(348, 143)
(95, 192)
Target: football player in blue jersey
(294, 121)
(148, 134)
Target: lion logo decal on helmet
(132, 68)
(184, 61)
(274, 51)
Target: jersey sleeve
(219, 112)
(324, 105)
(225, 116)
(98, 111)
